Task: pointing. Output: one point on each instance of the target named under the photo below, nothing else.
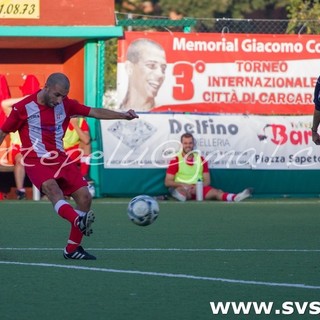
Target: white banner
(226, 141)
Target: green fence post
(91, 66)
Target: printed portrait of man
(145, 66)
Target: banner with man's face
(209, 72)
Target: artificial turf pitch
(194, 254)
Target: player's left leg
(56, 182)
(73, 249)
(83, 200)
(220, 195)
(73, 184)
(211, 193)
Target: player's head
(146, 65)
(55, 89)
(187, 142)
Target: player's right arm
(8, 103)
(172, 169)
(11, 124)
(316, 114)
(169, 181)
(170, 173)
(315, 124)
(6, 107)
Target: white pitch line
(205, 250)
(172, 249)
(279, 201)
(166, 275)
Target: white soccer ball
(143, 210)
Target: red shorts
(65, 172)
(74, 153)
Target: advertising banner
(225, 141)
(217, 73)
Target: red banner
(218, 73)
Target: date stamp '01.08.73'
(17, 9)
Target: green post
(91, 89)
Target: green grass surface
(193, 254)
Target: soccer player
(187, 168)
(316, 114)
(42, 119)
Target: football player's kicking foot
(78, 254)
(85, 223)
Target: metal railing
(227, 25)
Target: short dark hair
(60, 78)
(187, 135)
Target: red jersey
(173, 167)
(41, 128)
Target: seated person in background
(77, 144)
(30, 85)
(15, 146)
(18, 170)
(4, 94)
(4, 152)
(187, 168)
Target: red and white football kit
(173, 169)
(41, 129)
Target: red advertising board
(218, 73)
